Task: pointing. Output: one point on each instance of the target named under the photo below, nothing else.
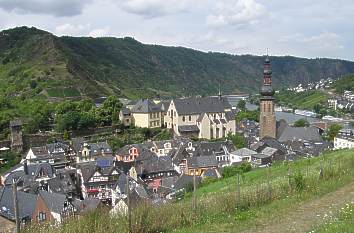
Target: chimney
(25, 167)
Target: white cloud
(236, 13)
(51, 7)
(154, 8)
(69, 29)
(324, 40)
(99, 32)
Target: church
(269, 127)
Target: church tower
(267, 115)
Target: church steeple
(267, 89)
(267, 115)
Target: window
(183, 118)
(190, 118)
(41, 216)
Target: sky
(303, 28)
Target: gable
(30, 155)
(41, 207)
(115, 172)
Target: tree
(108, 112)
(66, 135)
(238, 140)
(301, 123)
(249, 115)
(317, 108)
(241, 105)
(332, 131)
(68, 121)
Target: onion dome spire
(267, 89)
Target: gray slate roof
(126, 111)
(300, 133)
(155, 165)
(213, 148)
(54, 201)
(188, 128)
(33, 172)
(194, 105)
(146, 106)
(269, 151)
(26, 203)
(202, 161)
(244, 152)
(57, 147)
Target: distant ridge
(36, 62)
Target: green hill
(285, 196)
(34, 62)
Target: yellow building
(147, 114)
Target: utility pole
(17, 217)
(129, 206)
(269, 185)
(194, 195)
(238, 191)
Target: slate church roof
(196, 105)
(300, 133)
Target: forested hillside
(35, 62)
(38, 68)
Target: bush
(301, 123)
(234, 170)
(298, 182)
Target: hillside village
(65, 178)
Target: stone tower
(267, 115)
(16, 135)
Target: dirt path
(307, 214)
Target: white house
(208, 117)
(345, 139)
(241, 155)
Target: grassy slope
(216, 210)
(302, 100)
(345, 83)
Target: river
(287, 116)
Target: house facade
(146, 114)
(344, 139)
(208, 117)
(52, 207)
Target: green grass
(216, 203)
(342, 222)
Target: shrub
(234, 170)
